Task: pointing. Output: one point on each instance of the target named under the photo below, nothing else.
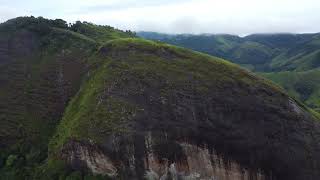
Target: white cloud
(186, 16)
(6, 13)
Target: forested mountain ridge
(260, 52)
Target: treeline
(43, 25)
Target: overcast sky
(178, 16)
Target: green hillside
(305, 56)
(252, 55)
(260, 52)
(302, 85)
(84, 101)
(263, 53)
(42, 64)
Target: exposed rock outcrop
(87, 156)
(191, 163)
(199, 163)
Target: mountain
(103, 104)
(304, 85)
(258, 52)
(283, 41)
(219, 45)
(304, 56)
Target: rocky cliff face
(87, 156)
(195, 162)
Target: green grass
(89, 115)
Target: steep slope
(302, 85)
(35, 74)
(151, 110)
(257, 52)
(42, 64)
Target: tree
(59, 23)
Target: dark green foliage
(39, 25)
(42, 64)
(59, 23)
(99, 33)
(11, 160)
(74, 176)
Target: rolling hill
(84, 101)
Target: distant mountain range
(263, 53)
